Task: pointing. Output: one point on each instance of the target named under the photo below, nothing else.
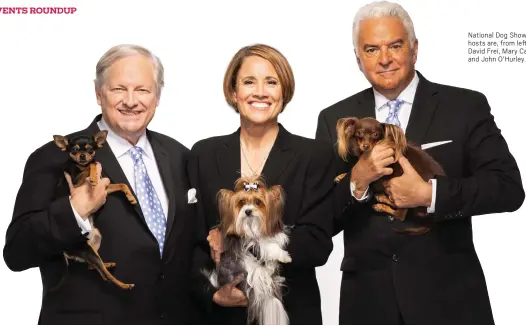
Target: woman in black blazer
(258, 84)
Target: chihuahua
(82, 166)
(359, 136)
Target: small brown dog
(358, 136)
(82, 166)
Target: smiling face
(384, 55)
(128, 96)
(258, 95)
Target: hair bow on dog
(251, 186)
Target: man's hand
(87, 199)
(215, 241)
(409, 190)
(372, 166)
(230, 296)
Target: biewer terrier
(254, 240)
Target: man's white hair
(124, 50)
(383, 9)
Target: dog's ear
(225, 207)
(345, 130)
(100, 137)
(395, 135)
(61, 142)
(276, 208)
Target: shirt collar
(407, 95)
(121, 146)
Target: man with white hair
(434, 278)
(150, 242)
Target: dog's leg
(124, 188)
(94, 259)
(383, 208)
(384, 199)
(107, 265)
(93, 174)
(339, 178)
(272, 248)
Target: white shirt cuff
(84, 224)
(365, 195)
(431, 209)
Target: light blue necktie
(148, 199)
(394, 107)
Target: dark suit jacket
(44, 225)
(300, 166)
(437, 277)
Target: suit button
(391, 218)
(395, 258)
(161, 276)
(162, 315)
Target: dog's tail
(273, 313)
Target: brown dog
(82, 166)
(358, 136)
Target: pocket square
(437, 143)
(191, 196)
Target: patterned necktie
(394, 107)
(148, 199)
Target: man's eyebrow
(391, 43)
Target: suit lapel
(422, 112)
(279, 157)
(365, 107)
(163, 163)
(229, 160)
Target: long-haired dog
(359, 136)
(254, 240)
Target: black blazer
(300, 166)
(437, 277)
(44, 224)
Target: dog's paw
(382, 208)
(284, 257)
(132, 200)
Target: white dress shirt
(120, 147)
(382, 111)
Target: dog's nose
(248, 211)
(365, 146)
(82, 156)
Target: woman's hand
(230, 296)
(215, 240)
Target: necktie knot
(136, 153)
(394, 107)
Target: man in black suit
(435, 278)
(48, 218)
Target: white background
(48, 65)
